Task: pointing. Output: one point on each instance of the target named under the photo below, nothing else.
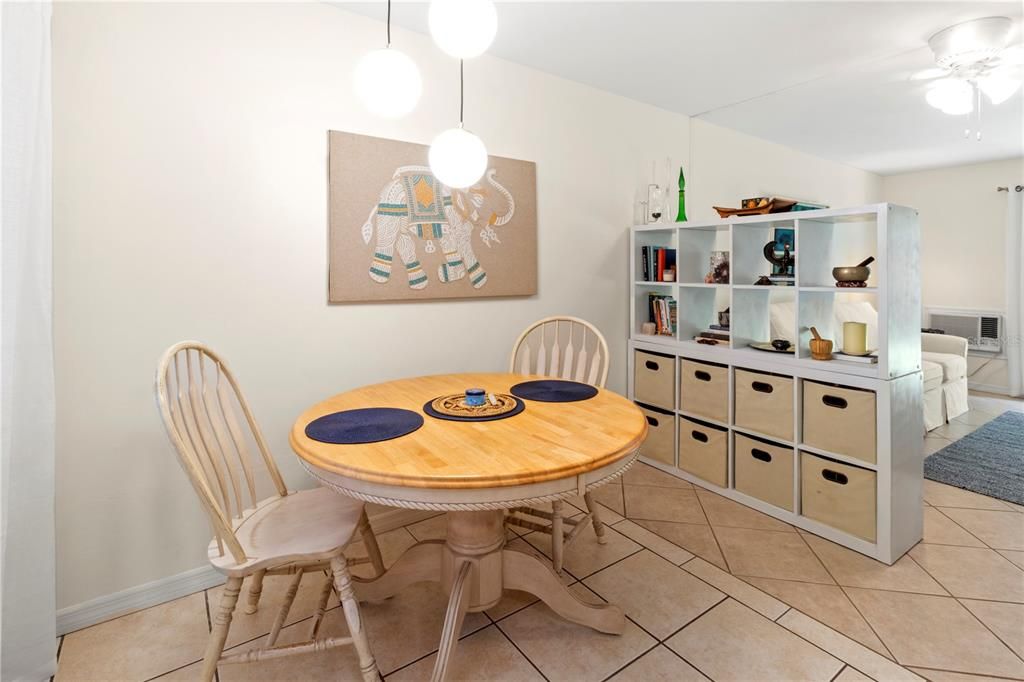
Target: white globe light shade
(387, 82)
(954, 97)
(998, 87)
(463, 28)
(458, 158)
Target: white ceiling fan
(973, 58)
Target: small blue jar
(475, 397)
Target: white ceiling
(828, 78)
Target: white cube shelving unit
(824, 238)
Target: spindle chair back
(214, 432)
(564, 348)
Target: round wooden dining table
(474, 471)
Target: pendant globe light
(387, 81)
(458, 158)
(463, 28)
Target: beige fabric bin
(840, 420)
(838, 495)
(704, 389)
(704, 451)
(763, 470)
(654, 379)
(661, 436)
(764, 403)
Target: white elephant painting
(416, 207)
(396, 233)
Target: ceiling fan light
(970, 42)
(458, 158)
(953, 97)
(998, 87)
(387, 82)
(463, 28)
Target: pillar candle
(855, 338)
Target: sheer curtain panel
(27, 590)
(1014, 337)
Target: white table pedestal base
(475, 568)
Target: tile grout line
(631, 661)
(845, 666)
(927, 573)
(959, 600)
(971, 613)
(960, 672)
(685, 660)
(521, 652)
(714, 535)
(958, 525)
(846, 596)
(432, 651)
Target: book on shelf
(863, 359)
(654, 261)
(719, 327)
(663, 314)
(712, 334)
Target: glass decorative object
(654, 203)
(681, 216)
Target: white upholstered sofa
(943, 358)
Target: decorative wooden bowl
(773, 206)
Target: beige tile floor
(711, 590)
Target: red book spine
(661, 265)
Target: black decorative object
(784, 264)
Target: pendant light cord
(389, 23)
(462, 90)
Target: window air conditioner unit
(983, 330)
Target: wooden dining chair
(563, 348)
(286, 532)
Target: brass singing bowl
(852, 274)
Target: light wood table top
(547, 441)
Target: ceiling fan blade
(929, 74)
(1011, 56)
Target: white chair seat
(953, 366)
(302, 526)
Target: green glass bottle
(681, 217)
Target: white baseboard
(988, 388)
(183, 584)
(136, 598)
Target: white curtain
(1015, 288)
(27, 585)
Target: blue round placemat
(429, 409)
(366, 425)
(553, 391)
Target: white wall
(728, 166)
(189, 192)
(963, 233)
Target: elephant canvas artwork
(398, 234)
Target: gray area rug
(989, 461)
